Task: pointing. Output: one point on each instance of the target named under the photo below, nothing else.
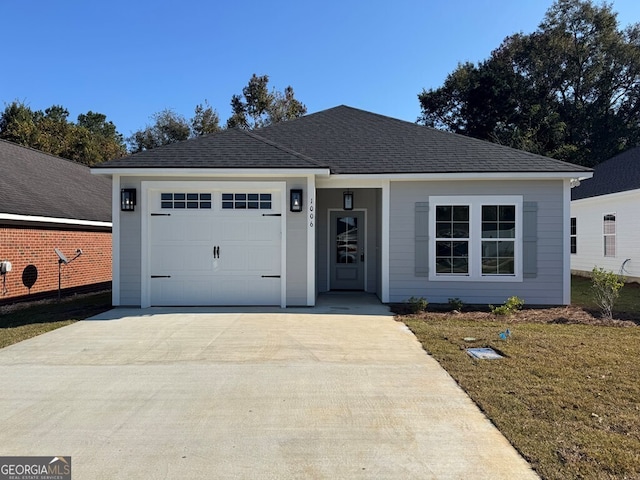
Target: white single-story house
(605, 226)
(342, 199)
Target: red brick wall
(28, 246)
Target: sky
(131, 59)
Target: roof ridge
(276, 145)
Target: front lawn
(567, 393)
(19, 322)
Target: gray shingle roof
(618, 174)
(35, 183)
(346, 140)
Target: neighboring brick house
(49, 203)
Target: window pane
(227, 196)
(574, 245)
(443, 230)
(252, 196)
(166, 196)
(452, 257)
(178, 205)
(489, 230)
(241, 196)
(498, 258)
(192, 204)
(346, 239)
(241, 205)
(461, 230)
(443, 213)
(489, 213)
(507, 213)
(205, 196)
(443, 265)
(226, 205)
(460, 249)
(178, 196)
(192, 196)
(253, 205)
(205, 204)
(461, 213)
(167, 204)
(265, 205)
(507, 230)
(574, 226)
(460, 265)
(265, 197)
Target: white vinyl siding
(589, 213)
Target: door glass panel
(347, 239)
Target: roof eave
(225, 172)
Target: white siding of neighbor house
(545, 289)
(589, 213)
(130, 240)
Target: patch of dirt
(560, 315)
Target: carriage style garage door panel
(215, 246)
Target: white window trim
(614, 235)
(475, 203)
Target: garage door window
(185, 200)
(246, 201)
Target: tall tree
(91, 140)
(570, 90)
(258, 106)
(168, 127)
(205, 120)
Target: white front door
(214, 246)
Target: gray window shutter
(529, 239)
(422, 239)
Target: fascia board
(62, 221)
(211, 172)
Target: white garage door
(215, 247)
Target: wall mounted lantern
(347, 200)
(128, 199)
(295, 204)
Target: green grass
(627, 306)
(29, 321)
(567, 396)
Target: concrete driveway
(336, 392)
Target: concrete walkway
(337, 392)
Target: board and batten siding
(545, 288)
(589, 214)
(131, 239)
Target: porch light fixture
(128, 199)
(295, 200)
(347, 200)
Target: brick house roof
(346, 141)
(38, 184)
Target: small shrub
(417, 304)
(511, 306)
(456, 304)
(606, 287)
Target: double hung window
(476, 238)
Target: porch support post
(384, 241)
(312, 218)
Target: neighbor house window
(609, 229)
(476, 238)
(574, 235)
